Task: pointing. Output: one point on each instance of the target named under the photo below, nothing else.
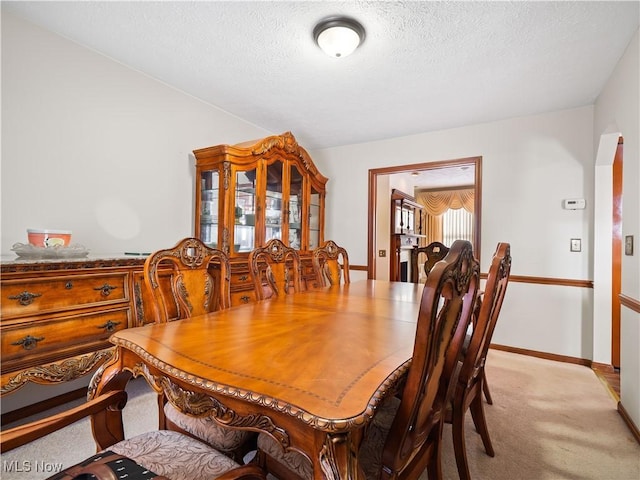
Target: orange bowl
(49, 238)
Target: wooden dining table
(309, 369)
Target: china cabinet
(252, 192)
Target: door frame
(476, 162)
(616, 255)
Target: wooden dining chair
(469, 383)
(172, 454)
(435, 252)
(404, 436)
(330, 264)
(199, 282)
(275, 269)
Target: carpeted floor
(549, 421)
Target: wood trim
(562, 282)
(372, 224)
(616, 253)
(33, 409)
(362, 268)
(372, 196)
(627, 419)
(630, 303)
(543, 355)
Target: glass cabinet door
(209, 203)
(295, 207)
(244, 212)
(314, 219)
(253, 192)
(273, 213)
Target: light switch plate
(576, 244)
(628, 245)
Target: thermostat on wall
(573, 203)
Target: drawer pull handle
(109, 326)
(25, 298)
(244, 278)
(28, 342)
(68, 285)
(106, 289)
(245, 298)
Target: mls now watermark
(28, 466)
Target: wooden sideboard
(57, 315)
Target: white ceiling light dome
(338, 36)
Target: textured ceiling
(424, 65)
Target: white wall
(530, 165)
(94, 147)
(617, 109)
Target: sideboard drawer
(243, 297)
(49, 294)
(77, 334)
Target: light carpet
(549, 421)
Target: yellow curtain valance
(436, 203)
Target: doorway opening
(378, 197)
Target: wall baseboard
(544, 355)
(44, 405)
(627, 419)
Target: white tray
(26, 250)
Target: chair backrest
(199, 280)
(485, 322)
(445, 311)
(331, 264)
(435, 252)
(275, 269)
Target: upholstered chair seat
(174, 455)
(228, 440)
(163, 453)
(370, 454)
(290, 465)
(298, 466)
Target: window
(457, 224)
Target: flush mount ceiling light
(338, 36)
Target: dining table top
(326, 355)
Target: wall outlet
(382, 253)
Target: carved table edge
(388, 386)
